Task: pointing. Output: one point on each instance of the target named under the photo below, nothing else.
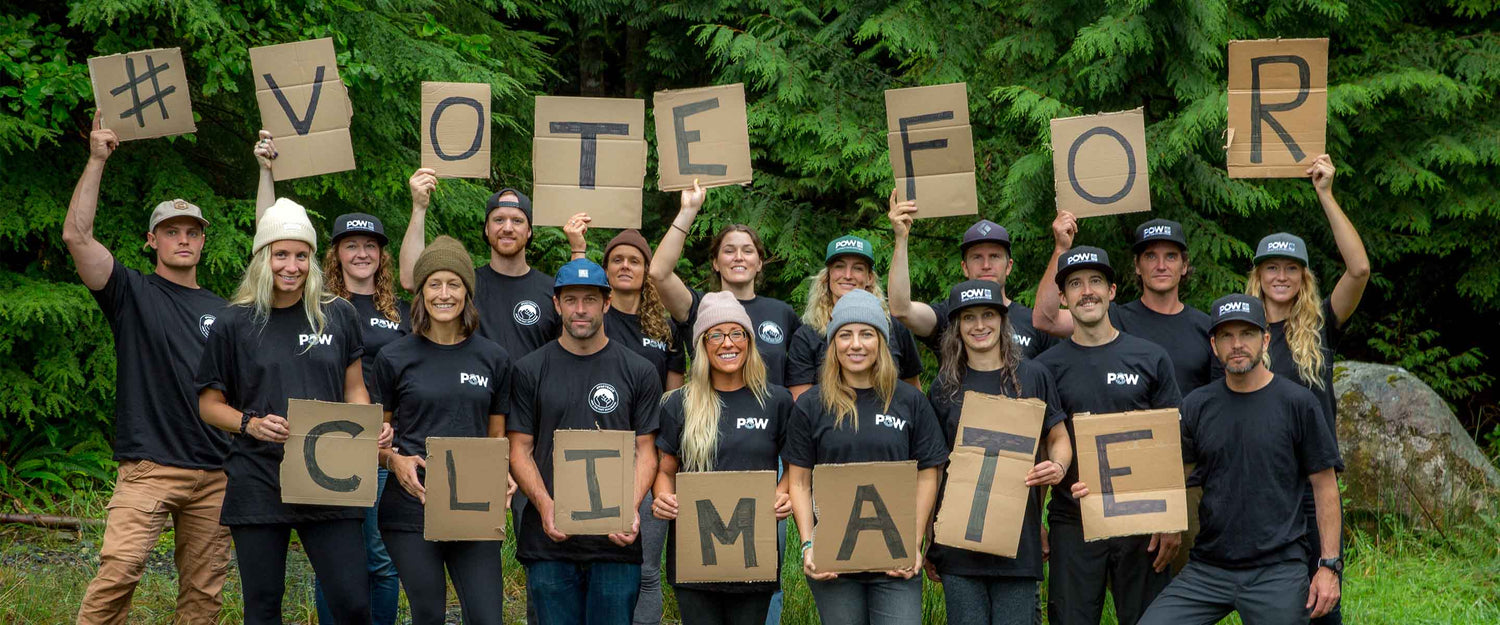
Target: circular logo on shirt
(604, 399)
(769, 332)
(205, 324)
(527, 313)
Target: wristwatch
(245, 418)
(1333, 564)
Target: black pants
(1315, 549)
(337, 551)
(473, 565)
(1275, 594)
(1081, 570)
(706, 607)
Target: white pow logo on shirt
(527, 313)
(770, 332)
(206, 324)
(603, 398)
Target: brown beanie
(445, 253)
(631, 237)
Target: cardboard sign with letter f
(593, 481)
(1132, 463)
(984, 502)
(932, 149)
(867, 516)
(331, 454)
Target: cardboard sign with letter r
(867, 516)
(1278, 107)
(331, 454)
(985, 499)
(1099, 164)
(456, 129)
(465, 488)
(142, 94)
(1132, 463)
(702, 134)
(726, 526)
(932, 149)
(304, 104)
(589, 155)
(593, 481)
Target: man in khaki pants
(171, 463)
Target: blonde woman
(726, 418)
(835, 422)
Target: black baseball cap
(1238, 307)
(358, 223)
(522, 202)
(985, 231)
(1084, 257)
(1158, 230)
(970, 293)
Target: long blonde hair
(838, 397)
(258, 287)
(385, 284)
(1304, 327)
(701, 405)
(820, 300)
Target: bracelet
(582, 251)
(679, 228)
(245, 418)
(805, 546)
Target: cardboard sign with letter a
(726, 526)
(305, 106)
(331, 454)
(465, 488)
(932, 149)
(702, 134)
(1278, 107)
(593, 481)
(1099, 164)
(456, 129)
(1132, 463)
(589, 155)
(867, 516)
(984, 501)
(142, 94)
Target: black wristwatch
(1333, 564)
(245, 418)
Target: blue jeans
(989, 600)
(385, 587)
(877, 601)
(773, 614)
(582, 593)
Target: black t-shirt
(437, 390)
(805, 357)
(377, 331)
(663, 356)
(1253, 452)
(1036, 382)
(260, 368)
(906, 430)
(517, 313)
(160, 328)
(554, 389)
(751, 437)
(1184, 336)
(1032, 341)
(1283, 365)
(1128, 373)
(775, 324)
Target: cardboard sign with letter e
(702, 133)
(466, 488)
(305, 106)
(142, 95)
(456, 129)
(984, 502)
(1132, 462)
(589, 155)
(593, 481)
(331, 454)
(932, 149)
(1278, 107)
(1099, 164)
(726, 526)
(867, 516)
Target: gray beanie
(859, 306)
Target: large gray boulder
(1403, 449)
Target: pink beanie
(720, 307)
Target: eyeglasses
(737, 336)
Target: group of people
(721, 379)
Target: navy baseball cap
(849, 245)
(1158, 230)
(358, 223)
(985, 231)
(522, 202)
(1084, 257)
(1281, 245)
(1238, 307)
(580, 272)
(971, 293)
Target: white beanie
(284, 221)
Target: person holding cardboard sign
(282, 337)
(726, 418)
(860, 412)
(980, 355)
(442, 380)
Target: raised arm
(421, 184)
(1048, 314)
(918, 317)
(94, 261)
(265, 190)
(676, 295)
(1351, 286)
(577, 231)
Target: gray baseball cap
(175, 208)
(1281, 245)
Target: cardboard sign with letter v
(304, 104)
(1132, 463)
(331, 454)
(1278, 107)
(142, 95)
(867, 516)
(1099, 164)
(465, 488)
(932, 149)
(456, 129)
(702, 134)
(593, 481)
(589, 155)
(726, 526)
(985, 499)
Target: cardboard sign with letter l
(456, 129)
(1099, 164)
(726, 526)
(867, 516)
(589, 155)
(465, 488)
(304, 104)
(1278, 107)
(593, 481)
(331, 454)
(932, 149)
(984, 502)
(142, 95)
(1132, 463)
(703, 134)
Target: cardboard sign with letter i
(593, 481)
(984, 502)
(867, 516)
(932, 149)
(331, 454)
(1132, 463)
(726, 526)
(702, 134)
(465, 488)
(305, 106)
(142, 94)
(1099, 164)
(1278, 107)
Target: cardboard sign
(593, 481)
(456, 129)
(1278, 107)
(984, 501)
(465, 488)
(1099, 164)
(867, 516)
(702, 133)
(1132, 462)
(305, 106)
(932, 149)
(141, 95)
(726, 526)
(589, 155)
(331, 454)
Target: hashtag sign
(143, 93)
(133, 83)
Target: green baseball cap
(849, 245)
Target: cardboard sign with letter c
(331, 454)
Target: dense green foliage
(1414, 127)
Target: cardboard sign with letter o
(331, 454)
(867, 516)
(456, 129)
(1132, 463)
(1099, 164)
(985, 497)
(593, 481)
(726, 526)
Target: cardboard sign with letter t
(331, 454)
(984, 502)
(1132, 463)
(932, 149)
(589, 155)
(593, 481)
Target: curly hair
(385, 283)
(656, 322)
(1304, 328)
